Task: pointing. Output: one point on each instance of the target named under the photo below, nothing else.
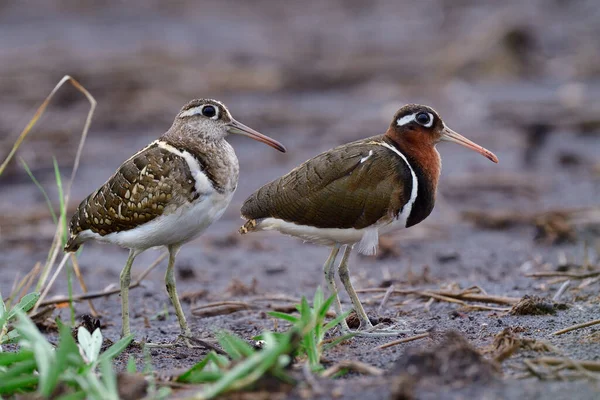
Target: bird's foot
(375, 331)
(366, 329)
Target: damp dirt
(314, 85)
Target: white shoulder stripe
(201, 182)
(406, 209)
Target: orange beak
(238, 128)
(448, 135)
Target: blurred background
(521, 78)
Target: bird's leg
(186, 333)
(172, 290)
(345, 278)
(125, 282)
(329, 272)
(365, 323)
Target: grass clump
(245, 365)
(8, 335)
(312, 344)
(69, 371)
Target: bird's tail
(249, 226)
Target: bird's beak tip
(238, 128)
(451, 136)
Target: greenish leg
(329, 272)
(172, 290)
(125, 282)
(345, 278)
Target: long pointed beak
(238, 128)
(448, 135)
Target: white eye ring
(199, 111)
(216, 109)
(407, 119)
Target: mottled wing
(147, 185)
(351, 186)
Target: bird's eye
(423, 118)
(209, 111)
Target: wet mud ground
(521, 80)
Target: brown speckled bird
(347, 196)
(166, 194)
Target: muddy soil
(521, 79)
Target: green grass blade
(318, 298)
(196, 373)
(109, 380)
(21, 383)
(26, 304)
(18, 369)
(42, 190)
(322, 312)
(131, 367)
(235, 347)
(338, 341)
(116, 349)
(63, 207)
(331, 324)
(7, 359)
(79, 395)
(284, 316)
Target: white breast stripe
(413, 193)
(202, 184)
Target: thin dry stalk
(21, 288)
(561, 290)
(578, 326)
(403, 340)
(47, 289)
(94, 295)
(82, 284)
(40, 111)
(351, 365)
(385, 299)
(567, 363)
(464, 295)
(571, 275)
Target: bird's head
(210, 119)
(419, 124)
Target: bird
(166, 194)
(347, 196)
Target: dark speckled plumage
(141, 189)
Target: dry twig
(578, 326)
(94, 295)
(352, 365)
(403, 340)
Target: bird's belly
(321, 236)
(178, 227)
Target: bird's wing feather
(150, 183)
(351, 186)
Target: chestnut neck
(420, 149)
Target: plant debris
(507, 342)
(536, 305)
(238, 288)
